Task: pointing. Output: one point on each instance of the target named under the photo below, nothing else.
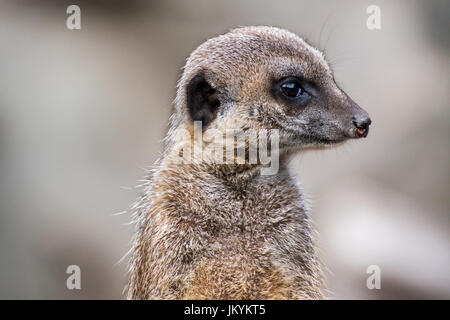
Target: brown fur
(213, 231)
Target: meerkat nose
(362, 126)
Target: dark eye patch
(292, 91)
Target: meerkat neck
(222, 155)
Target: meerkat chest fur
(210, 237)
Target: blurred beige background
(83, 111)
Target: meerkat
(212, 230)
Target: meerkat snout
(362, 126)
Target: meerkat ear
(202, 100)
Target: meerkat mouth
(318, 144)
(361, 131)
(362, 127)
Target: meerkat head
(267, 78)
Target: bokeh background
(83, 112)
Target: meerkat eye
(293, 92)
(292, 88)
